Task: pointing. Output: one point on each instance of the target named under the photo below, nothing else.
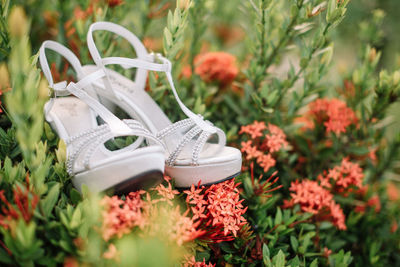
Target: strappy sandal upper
(187, 141)
(85, 149)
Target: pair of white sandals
(182, 149)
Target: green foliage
(286, 53)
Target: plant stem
(262, 51)
(286, 37)
(303, 68)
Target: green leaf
(75, 196)
(248, 188)
(266, 255)
(278, 216)
(76, 218)
(202, 255)
(331, 8)
(358, 151)
(4, 257)
(294, 243)
(280, 259)
(227, 247)
(314, 263)
(50, 200)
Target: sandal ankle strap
(145, 61)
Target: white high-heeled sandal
(74, 120)
(190, 156)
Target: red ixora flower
(114, 3)
(216, 67)
(343, 178)
(327, 252)
(266, 161)
(218, 210)
(190, 261)
(317, 200)
(25, 202)
(120, 216)
(166, 193)
(333, 113)
(274, 140)
(317, 196)
(250, 150)
(254, 130)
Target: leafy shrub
(262, 71)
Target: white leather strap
(117, 127)
(62, 50)
(136, 63)
(145, 61)
(141, 52)
(62, 89)
(59, 88)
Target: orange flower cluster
(111, 253)
(374, 202)
(182, 228)
(120, 216)
(190, 261)
(216, 214)
(273, 141)
(255, 129)
(216, 67)
(25, 203)
(276, 139)
(393, 192)
(314, 198)
(218, 209)
(344, 176)
(167, 194)
(317, 196)
(114, 3)
(333, 113)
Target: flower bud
(18, 22)
(4, 77)
(61, 152)
(356, 77)
(372, 54)
(396, 77)
(184, 4)
(43, 89)
(48, 132)
(316, 10)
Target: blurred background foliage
(288, 53)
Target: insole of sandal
(71, 116)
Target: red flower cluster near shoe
(332, 113)
(317, 197)
(213, 214)
(263, 145)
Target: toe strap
(192, 131)
(202, 140)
